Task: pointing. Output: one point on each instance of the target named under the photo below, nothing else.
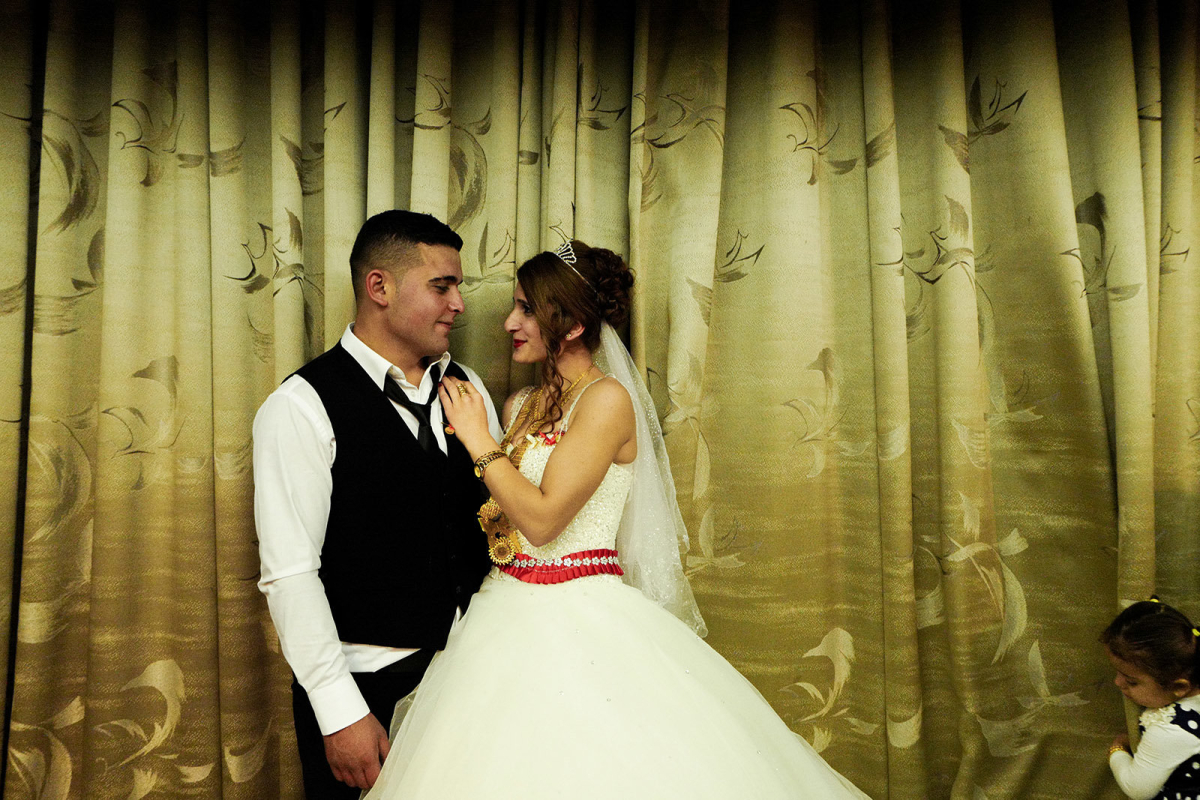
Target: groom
(365, 503)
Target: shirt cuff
(338, 705)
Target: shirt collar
(378, 367)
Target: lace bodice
(595, 526)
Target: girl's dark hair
(597, 290)
(1157, 639)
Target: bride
(579, 670)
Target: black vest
(403, 547)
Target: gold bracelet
(482, 462)
(1117, 747)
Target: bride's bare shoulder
(606, 398)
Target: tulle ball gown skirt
(585, 690)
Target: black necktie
(421, 411)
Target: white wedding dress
(586, 689)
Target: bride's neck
(572, 364)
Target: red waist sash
(566, 568)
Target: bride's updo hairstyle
(593, 290)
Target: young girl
(1154, 648)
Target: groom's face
(427, 301)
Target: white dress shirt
(294, 450)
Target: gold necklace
(503, 544)
(534, 426)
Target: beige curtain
(916, 299)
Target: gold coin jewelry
(501, 536)
(503, 542)
(534, 425)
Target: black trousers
(381, 690)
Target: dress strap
(575, 402)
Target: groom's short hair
(389, 241)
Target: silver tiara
(566, 254)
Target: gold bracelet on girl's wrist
(482, 462)
(1117, 748)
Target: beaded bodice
(595, 526)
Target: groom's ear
(380, 286)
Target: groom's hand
(356, 752)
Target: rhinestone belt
(565, 568)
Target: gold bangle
(482, 462)
(1117, 748)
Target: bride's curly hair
(596, 290)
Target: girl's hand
(466, 413)
(1121, 741)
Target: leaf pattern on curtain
(309, 165)
(838, 647)
(1171, 256)
(271, 265)
(676, 117)
(40, 761)
(64, 145)
(153, 129)
(155, 765)
(984, 121)
(592, 112)
(468, 161)
(815, 136)
(150, 431)
(817, 430)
